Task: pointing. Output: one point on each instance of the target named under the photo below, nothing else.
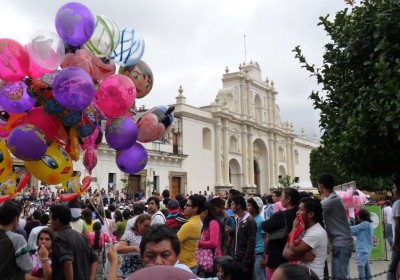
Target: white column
(244, 156)
(225, 152)
(271, 161)
(288, 159)
(218, 162)
(251, 158)
(276, 163)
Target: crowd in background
(226, 236)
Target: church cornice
(185, 114)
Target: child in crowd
(364, 231)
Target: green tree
(322, 162)
(360, 97)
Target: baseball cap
(173, 206)
(259, 202)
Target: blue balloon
(130, 48)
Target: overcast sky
(190, 42)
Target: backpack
(8, 266)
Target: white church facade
(238, 141)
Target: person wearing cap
(175, 218)
(254, 207)
(364, 232)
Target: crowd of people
(238, 236)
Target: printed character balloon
(153, 124)
(14, 97)
(14, 60)
(73, 186)
(27, 142)
(74, 23)
(116, 95)
(121, 133)
(54, 167)
(5, 162)
(73, 88)
(130, 48)
(141, 75)
(105, 37)
(46, 49)
(133, 159)
(97, 67)
(10, 187)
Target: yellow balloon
(55, 166)
(5, 162)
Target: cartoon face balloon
(141, 75)
(5, 162)
(153, 124)
(54, 167)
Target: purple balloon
(14, 98)
(75, 24)
(133, 159)
(73, 88)
(27, 142)
(121, 133)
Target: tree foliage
(360, 97)
(322, 162)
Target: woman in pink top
(211, 236)
(97, 238)
(276, 197)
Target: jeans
(389, 234)
(340, 262)
(364, 270)
(391, 275)
(259, 273)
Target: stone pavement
(377, 266)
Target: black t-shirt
(69, 245)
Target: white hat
(259, 202)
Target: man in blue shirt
(254, 206)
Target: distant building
(238, 141)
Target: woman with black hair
(97, 238)
(211, 239)
(230, 270)
(278, 228)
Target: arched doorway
(257, 173)
(235, 174)
(261, 167)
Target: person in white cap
(254, 207)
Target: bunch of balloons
(56, 91)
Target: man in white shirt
(157, 217)
(387, 213)
(311, 249)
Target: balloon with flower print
(46, 49)
(73, 88)
(14, 60)
(75, 23)
(116, 94)
(14, 97)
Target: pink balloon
(14, 60)
(116, 95)
(90, 159)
